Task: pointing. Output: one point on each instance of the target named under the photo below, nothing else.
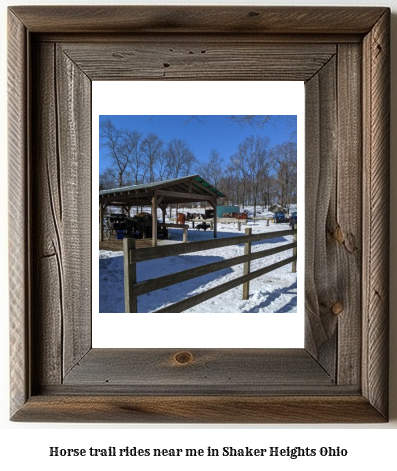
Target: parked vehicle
(139, 225)
(280, 216)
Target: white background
(26, 445)
(227, 330)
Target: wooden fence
(132, 256)
(233, 220)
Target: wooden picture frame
(342, 54)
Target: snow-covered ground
(273, 292)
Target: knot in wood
(338, 235)
(183, 358)
(337, 308)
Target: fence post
(247, 265)
(295, 249)
(130, 300)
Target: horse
(240, 215)
(243, 215)
(180, 218)
(191, 216)
(203, 226)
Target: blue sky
(202, 134)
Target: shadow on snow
(111, 284)
(111, 277)
(272, 296)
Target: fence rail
(133, 289)
(233, 220)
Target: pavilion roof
(192, 188)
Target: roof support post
(214, 204)
(163, 209)
(154, 220)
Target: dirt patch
(112, 245)
(116, 245)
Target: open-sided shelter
(190, 189)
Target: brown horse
(180, 218)
(240, 215)
(236, 215)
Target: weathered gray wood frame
(342, 54)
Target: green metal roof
(209, 186)
(163, 183)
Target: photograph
(183, 188)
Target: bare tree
(180, 159)
(131, 149)
(196, 119)
(107, 179)
(161, 167)
(112, 138)
(268, 190)
(238, 168)
(261, 121)
(230, 184)
(151, 149)
(256, 121)
(285, 163)
(213, 169)
(252, 160)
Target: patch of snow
(270, 293)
